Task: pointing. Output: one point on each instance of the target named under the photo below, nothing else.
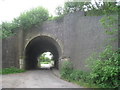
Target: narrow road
(35, 79)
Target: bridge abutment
(75, 36)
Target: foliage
(7, 29)
(42, 58)
(11, 70)
(59, 10)
(103, 72)
(98, 9)
(109, 13)
(50, 18)
(105, 68)
(102, 8)
(57, 18)
(110, 24)
(66, 69)
(44, 62)
(77, 76)
(110, 19)
(71, 6)
(37, 15)
(33, 17)
(25, 21)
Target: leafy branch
(25, 21)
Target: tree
(102, 8)
(33, 17)
(71, 6)
(42, 58)
(25, 21)
(59, 10)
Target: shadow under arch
(39, 45)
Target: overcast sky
(10, 9)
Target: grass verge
(11, 70)
(82, 83)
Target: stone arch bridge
(74, 36)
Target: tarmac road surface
(35, 79)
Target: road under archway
(39, 45)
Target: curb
(56, 72)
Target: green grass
(11, 70)
(44, 62)
(82, 83)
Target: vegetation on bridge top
(104, 71)
(25, 21)
(38, 15)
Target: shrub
(32, 17)
(76, 75)
(66, 69)
(67, 72)
(25, 21)
(103, 73)
(105, 69)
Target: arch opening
(45, 60)
(38, 46)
